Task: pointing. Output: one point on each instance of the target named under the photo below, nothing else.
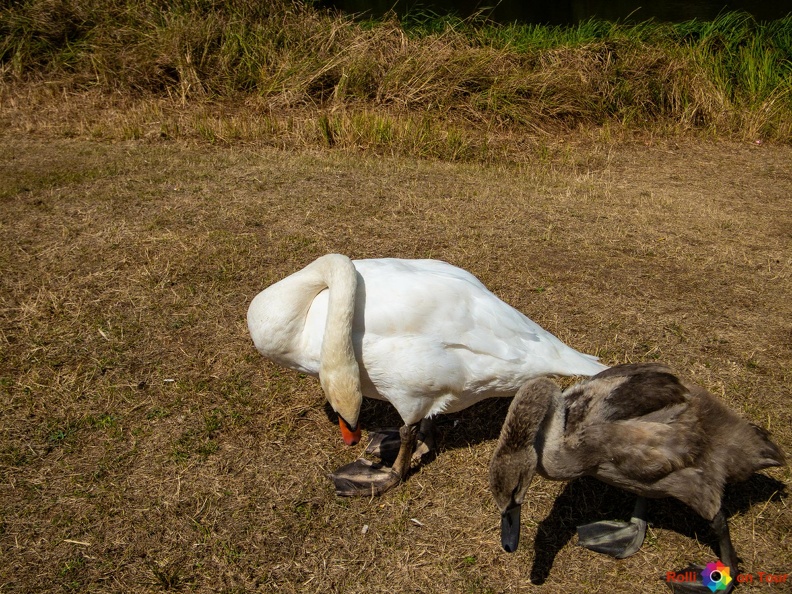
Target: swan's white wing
(432, 327)
(451, 306)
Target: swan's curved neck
(339, 372)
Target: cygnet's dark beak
(510, 529)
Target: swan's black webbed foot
(394, 448)
(386, 443)
(691, 580)
(425, 442)
(617, 539)
(363, 478)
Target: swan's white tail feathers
(581, 364)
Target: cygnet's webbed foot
(394, 448)
(617, 539)
(695, 579)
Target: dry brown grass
(145, 445)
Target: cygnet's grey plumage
(636, 427)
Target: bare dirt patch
(145, 445)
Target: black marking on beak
(348, 426)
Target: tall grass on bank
(730, 77)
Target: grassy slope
(267, 71)
(145, 445)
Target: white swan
(422, 334)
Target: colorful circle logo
(716, 576)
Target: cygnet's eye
(517, 489)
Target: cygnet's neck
(550, 439)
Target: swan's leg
(366, 478)
(617, 539)
(696, 579)
(409, 435)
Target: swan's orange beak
(351, 436)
